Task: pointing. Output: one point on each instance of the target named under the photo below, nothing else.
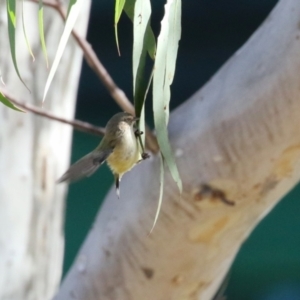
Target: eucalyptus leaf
(73, 11)
(8, 103)
(142, 13)
(12, 21)
(119, 5)
(149, 39)
(25, 34)
(41, 30)
(161, 190)
(164, 68)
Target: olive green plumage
(119, 148)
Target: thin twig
(92, 60)
(78, 125)
(50, 3)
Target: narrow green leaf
(118, 11)
(25, 34)
(161, 190)
(143, 41)
(41, 31)
(163, 141)
(9, 104)
(12, 21)
(129, 9)
(150, 42)
(73, 11)
(149, 39)
(142, 13)
(139, 12)
(164, 67)
(173, 40)
(142, 122)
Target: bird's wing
(85, 166)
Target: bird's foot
(138, 133)
(145, 155)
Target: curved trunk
(33, 153)
(240, 136)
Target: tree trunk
(240, 136)
(33, 153)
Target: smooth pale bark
(33, 153)
(240, 133)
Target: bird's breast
(126, 153)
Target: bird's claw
(138, 133)
(145, 155)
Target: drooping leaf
(141, 19)
(161, 190)
(142, 13)
(118, 11)
(164, 68)
(12, 21)
(149, 39)
(174, 34)
(73, 11)
(8, 103)
(139, 12)
(129, 9)
(25, 34)
(150, 42)
(41, 30)
(142, 122)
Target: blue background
(268, 265)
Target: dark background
(268, 265)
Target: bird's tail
(85, 166)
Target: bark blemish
(107, 253)
(217, 191)
(148, 272)
(268, 185)
(257, 186)
(177, 279)
(207, 191)
(284, 165)
(44, 173)
(206, 232)
(20, 123)
(72, 295)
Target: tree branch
(92, 60)
(76, 124)
(240, 134)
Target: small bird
(119, 147)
